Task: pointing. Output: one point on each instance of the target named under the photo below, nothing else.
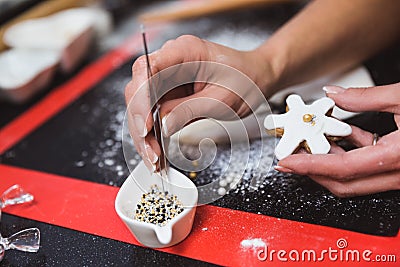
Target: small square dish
(69, 33)
(25, 72)
(148, 234)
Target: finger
(178, 92)
(397, 120)
(183, 49)
(356, 163)
(177, 113)
(147, 147)
(380, 98)
(137, 139)
(149, 150)
(335, 149)
(360, 137)
(138, 107)
(363, 186)
(139, 143)
(207, 103)
(150, 146)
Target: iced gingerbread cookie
(307, 126)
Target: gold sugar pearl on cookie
(308, 117)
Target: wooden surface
(192, 9)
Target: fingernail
(151, 167)
(150, 153)
(333, 89)
(164, 125)
(139, 125)
(282, 169)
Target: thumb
(379, 98)
(176, 118)
(182, 111)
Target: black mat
(84, 141)
(64, 247)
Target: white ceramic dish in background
(149, 234)
(24, 72)
(69, 33)
(100, 19)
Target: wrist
(269, 66)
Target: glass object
(14, 195)
(27, 240)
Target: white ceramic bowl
(149, 234)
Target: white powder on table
(254, 243)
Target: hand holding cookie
(371, 168)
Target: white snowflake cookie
(306, 126)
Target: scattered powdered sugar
(254, 243)
(246, 168)
(104, 151)
(221, 191)
(80, 164)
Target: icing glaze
(307, 123)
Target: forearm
(329, 35)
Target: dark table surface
(83, 141)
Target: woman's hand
(368, 169)
(196, 100)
